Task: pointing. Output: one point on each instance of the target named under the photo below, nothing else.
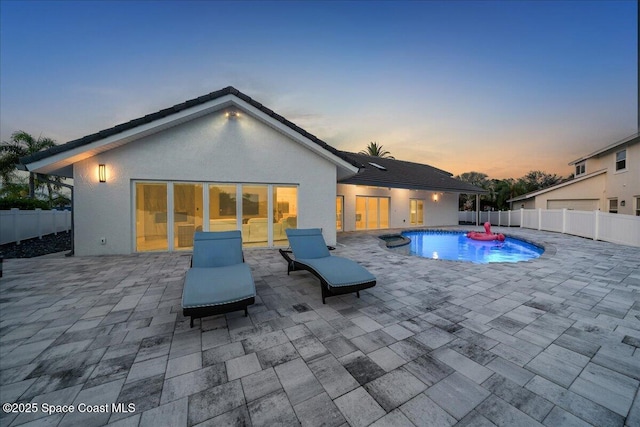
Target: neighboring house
(222, 162)
(607, 179)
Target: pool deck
(552, 341)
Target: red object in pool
(487, 235)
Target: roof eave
(63, 156)
(410, 186)
(555, 187)
(631, 139)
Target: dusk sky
(495, 87)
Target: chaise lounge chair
(218, 281)
(337, 275)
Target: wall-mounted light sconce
(232, 114)
(102, 173)
(435, 197)
(623, 203)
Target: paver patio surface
(553, 341)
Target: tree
(479, 179)
(538, 180)
(21, 144)
(505, 189)
(375, 150)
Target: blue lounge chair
(218, 281)
(337, 275)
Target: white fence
(17, 225)
(596, 225)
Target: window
(372, 212)
(416, 212)
(340, 213)
(375, 165)
(637, 206)
(580, 168)
(613, 205)
(621, 160)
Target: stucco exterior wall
(589, 189)
(213, 148)
(441, 213)
(623, 185)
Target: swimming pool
(456, 246)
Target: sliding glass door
(168, 214)
(416, 212)
(372, 212)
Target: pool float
(487, 235)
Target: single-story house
(224, 161)
(607, 179)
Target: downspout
(73, 227)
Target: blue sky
(496, 87)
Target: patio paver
(545, 342)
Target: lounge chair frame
(327, 290)
(200, 312)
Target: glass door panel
(151, 217)
(285, 213)
(383, 212)
(339, 213)
(222, 207)
(372, 213)
(361, 213)
(255, 215)
(417, 212)
(187, 214)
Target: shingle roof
(402, 174)
(175, 109)
(398, 173)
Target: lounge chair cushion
(218, 249)
(338, 271)
(206, 287)
(307, 243)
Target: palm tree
(375, 150)
(21, 144)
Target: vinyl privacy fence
(17, 225)
(596, 225)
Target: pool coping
(549, 250)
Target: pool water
(456, 246)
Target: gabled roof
(555, 187)
(392, 173)
(632, 139)
(61, 156)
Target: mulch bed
(30, 248)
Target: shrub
(7, 203)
